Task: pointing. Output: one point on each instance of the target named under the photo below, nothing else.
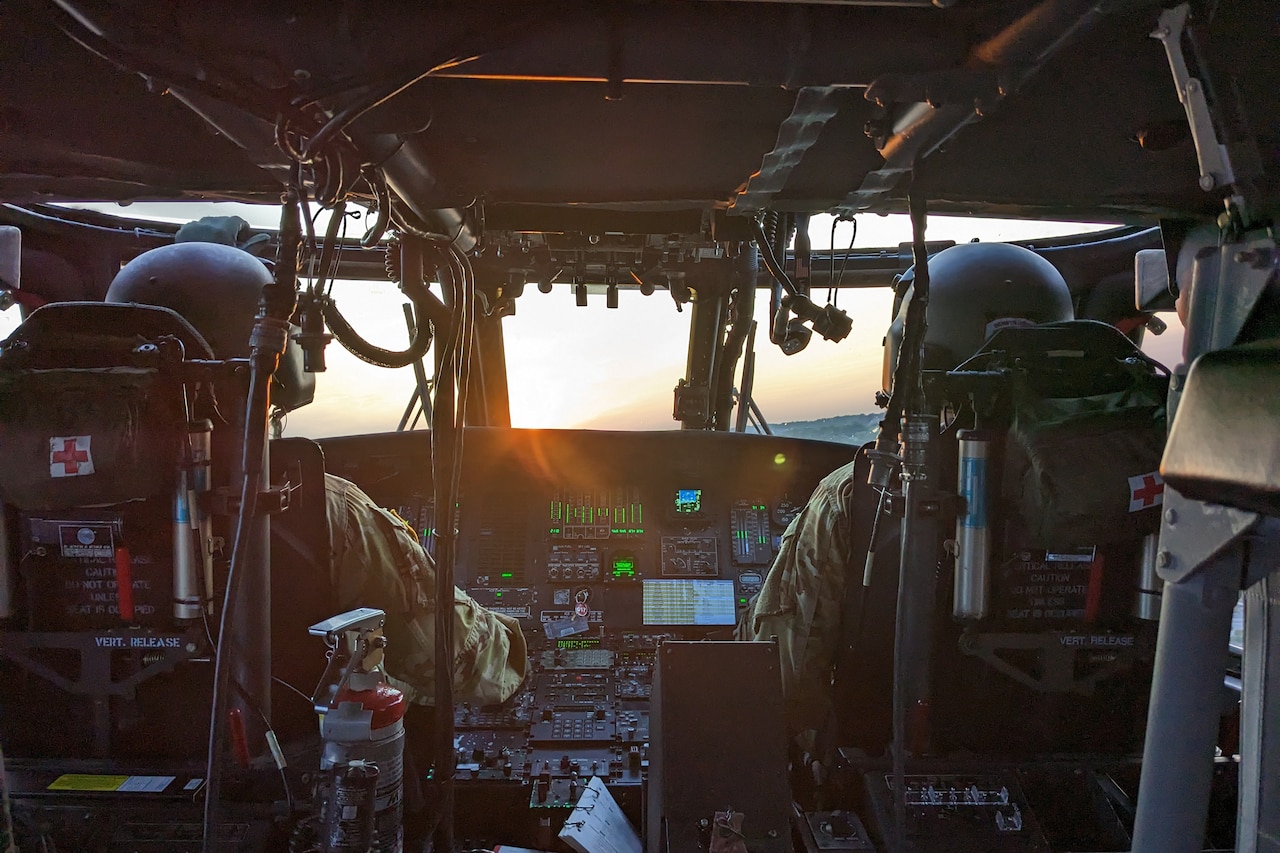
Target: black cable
(409, 223)
(383, 196)
(917, 311)
(145, 233)
(354, 111)
(908, 374)
(307, 219)
(285, 140)
(448, 417)
(268, 340)
(271, 732)
(331, 274)
(770, 260)
(831, 276)
(844, 262)
(328, 250)
(131, 63)
(254, 433)
(414, 287)
(909, 353)
(743, 306)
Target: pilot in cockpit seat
(975, 290)
(375, 558)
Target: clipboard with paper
(597, 824)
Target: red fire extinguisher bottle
(362, 734)
(367, 726)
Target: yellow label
(85, 782)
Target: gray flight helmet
(216, 288)
(976, 289)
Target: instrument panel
(604, 545)
(583, 532)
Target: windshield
(602, 368)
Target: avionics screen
(688, 601)
(688, 501)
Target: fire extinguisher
(362, 734)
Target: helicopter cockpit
(1053, 627)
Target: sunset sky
(599, 368)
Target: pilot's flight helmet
(975, 289)
(216, 288)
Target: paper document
(597, 825)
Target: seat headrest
(53, 325)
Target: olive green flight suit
(802, 600)
(376, 561)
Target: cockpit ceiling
(630, 106)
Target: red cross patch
(1145, 491)
(69, 456)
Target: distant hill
(846, 429)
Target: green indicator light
(508, 575)
(742, 601)
(498, 594)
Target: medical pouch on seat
(89, 415)
(1088, 428)
(1085, 470)
(88, 437)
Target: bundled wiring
(452, 384)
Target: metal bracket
(95, 678)
(1194, 532)
(362, 621)
(272, 500)
(692, 404)
(1226, 287)
(355, 642)
(1214, 162)
(1058, 654)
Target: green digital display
(624, 567)
(596, 514)
(571, 644)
